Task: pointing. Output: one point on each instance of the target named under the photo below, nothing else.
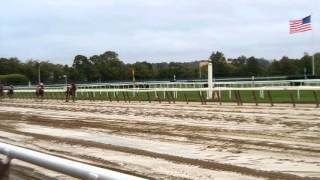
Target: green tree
(306, 62)
(111, 67)
(274, 68)
(317, 63)
(239, 66)
(288, 66)
(253, 68)
(10, 66)
(83, 68)
(143, 70)
(219, 64)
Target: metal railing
(179, 89)
(271, 94)
(183, 84)
(65, 166)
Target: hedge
(13, 79)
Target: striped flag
(300, 25)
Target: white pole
(209, 94)
(39, 79)
(313, 52)
(313, 70)
(134, 83)
(66, 79)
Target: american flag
(300, 25)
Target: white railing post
(65, 166)
(209, 94)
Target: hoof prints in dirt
(259, 139)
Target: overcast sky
(154, 30)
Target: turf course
(278, 96)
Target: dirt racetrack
(168, 141)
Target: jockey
(1, 90)
(10, 91)
(71, 91)
(40, 90)
(73, 88)
(40, 87)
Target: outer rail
(185, 89)
(259, 81)
(65, 166)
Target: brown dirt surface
(169, 141)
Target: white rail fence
(271, 88)
(65, 166)
(178, 91)
(182, 84)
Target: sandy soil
(170, 141)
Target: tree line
(108, 67)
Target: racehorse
(10, 91)
(40, 91)
(1, 91)
(71, 91)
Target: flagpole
(313, 70)
(313, 51)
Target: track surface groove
(176, 141)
